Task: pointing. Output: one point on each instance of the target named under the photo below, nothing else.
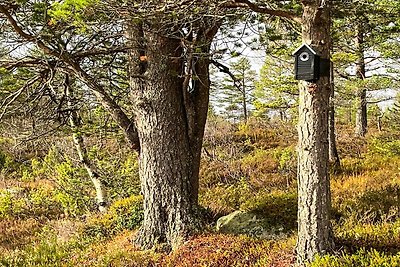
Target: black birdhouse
(307, 64)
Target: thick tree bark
(361, 114)
(170, 121)
(333, 152)
(314, 228)
(82, 153)
(196, 103)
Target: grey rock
(248, 223)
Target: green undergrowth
(123, 214)
(366, 207)
(52, 245)
(48, 215)
(30, 201)
(43, 253)
(205, 250)
(383, 236)
(361, 258)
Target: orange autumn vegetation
(48, 218)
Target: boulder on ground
(248, 223)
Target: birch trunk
(82, 153)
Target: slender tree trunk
(361, 114)
(333, 152)
(350, 112)
(314, 228)
(82, 153)
(245, 112)
(379, 122)
(170, 122)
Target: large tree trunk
(361, 114)
(314, 228)
(170, 121)
(333, 152)
(165, 157)
(74, 121)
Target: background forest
(70, 189)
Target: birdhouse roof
(307, 46)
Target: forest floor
(47, 215)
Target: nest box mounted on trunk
(308, 64)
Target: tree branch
(14, 24)
(10, 65)
(25, 35)
(264, 10)
(380, 100)
(96, 52)
(16, 94)
(110, 105)
(343, 75)
(225, 69)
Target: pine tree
(362, 30)
(236, 91)
(276, 91)
(168, 62)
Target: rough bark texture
(82, 153)
(196, 100)
(314, 228)
(333, 152)
(170, 121)
(361, 114)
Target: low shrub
(384, 236)
(384, 146)
(120, 172)
(44, 253)
(28, 202)
(362, 258)
(123, 214)
(370, 193)
(223, 199)
(227, 250)
(218, 172)
(17, 233)
(266, 135)
(3, 160)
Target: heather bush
(362, 258)
(123, 214)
